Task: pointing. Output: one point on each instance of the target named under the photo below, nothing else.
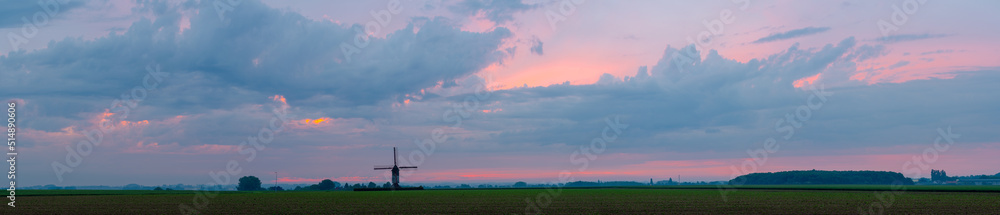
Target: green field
(824, 199)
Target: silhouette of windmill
(395, 169)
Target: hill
(822, 177)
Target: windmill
(395, 169)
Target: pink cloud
(806, 81)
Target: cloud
(792, 34)
(221, 73)
(866, 52)
(717, 105)
(536, 46)
(12, 12)
(236, 61)
(498, 11)
(940, 51)
(899, 64)
(715, 94)
(908, 37)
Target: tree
(126, 187)
(249, 183)
(387, 185)
(158, 188)
(464, 186)
(520, 184)
(327, 184)
(312, 187)
(939, 176)
(372, 185)
(275, 188)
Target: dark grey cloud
(498, 11)
(941, 51)
(256, 52)
(13, 12)
(908, 37)
(899, 64)
(311, 55)
(792, 34)
(536, 46)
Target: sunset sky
(517, 90)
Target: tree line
(252, 183)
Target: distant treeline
(603, 184)
(822, 177)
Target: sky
(112, 92)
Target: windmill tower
(395, 169)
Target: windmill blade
(379, 167)
(407, 167)
(394, 156)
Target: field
(823, 199)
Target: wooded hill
(822, 177)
